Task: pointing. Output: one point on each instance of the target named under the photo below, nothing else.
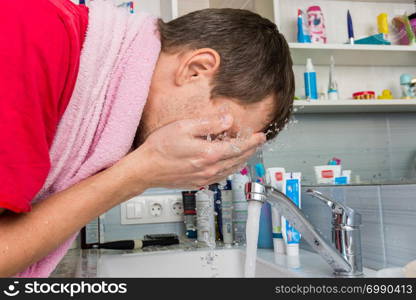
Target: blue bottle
(311, 90)
(265, 240)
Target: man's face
(180, 89)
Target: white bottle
(240, 207)
(205, 217)
(276, 177)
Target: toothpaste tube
(290, 234)
(326, 174)
(276, 178)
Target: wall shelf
(354, 106)
(358, 55)
(386, 1)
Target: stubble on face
(169, 110)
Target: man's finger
(209, 125)
(234, 147)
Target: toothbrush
(332, 85)
(131, 5)
(350, 28)
(260, 172)
(137, 244)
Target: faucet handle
(342, 214)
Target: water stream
(252, 235)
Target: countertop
(82, 263)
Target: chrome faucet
(344, 256)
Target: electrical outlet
(155, 209)
(177, 208)
(152, 208)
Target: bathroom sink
(181, 263)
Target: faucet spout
(339, 262)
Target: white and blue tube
(290, 234)
(277, 179)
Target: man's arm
(26, 238)
(172, 156)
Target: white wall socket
(147, 209)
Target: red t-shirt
(40, 46)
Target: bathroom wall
(388, 220)
(113, 230)
(377, 147)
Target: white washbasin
(179, 263)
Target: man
(219, 73)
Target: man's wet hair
(255, 57)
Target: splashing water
(252, 234)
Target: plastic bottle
(303, 32)
(240, 206)
(217, 208)
(205, 219)
(188, 198)
(227, 212)
(383, 25)
(311, 91)
(265, 238)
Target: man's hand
(179, 155)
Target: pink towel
(97, 129)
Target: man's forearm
(26, 238)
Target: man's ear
(197, 64)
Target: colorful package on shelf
(316, 25)
(405, 35)
(364, 95)
(408, 86)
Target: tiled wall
(388, 220)
(379, 147)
